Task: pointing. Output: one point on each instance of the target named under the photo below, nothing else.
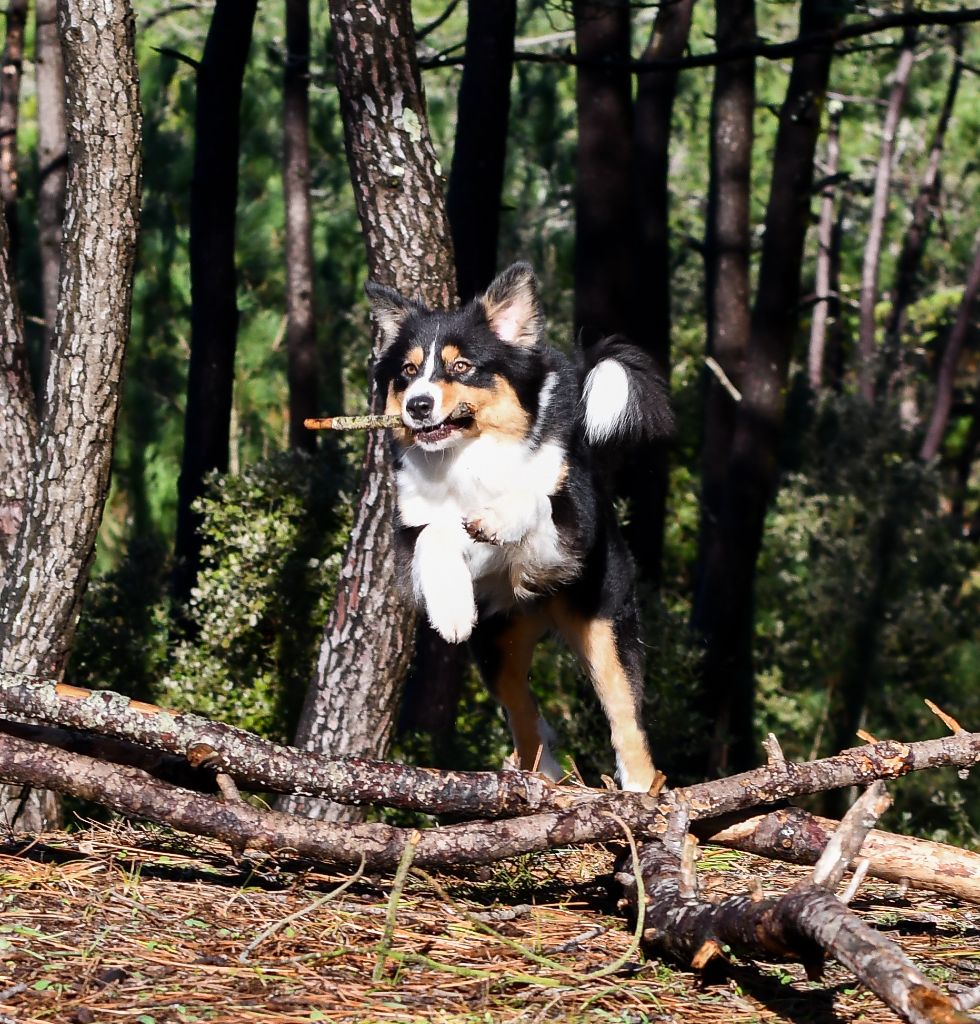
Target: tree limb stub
(251, 760)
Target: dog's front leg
(509, 520)
(442, 582)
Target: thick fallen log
(798, 837)
(806, 924)
(250, 760)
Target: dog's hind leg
(503, 646)
(610, 651)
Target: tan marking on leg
(594, 641)
(511, 685)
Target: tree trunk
(214, 309)
(827, 304)
(351, 702)
(300, 312)
(52, 164)
(868, 365)
(645, 485)
(69, 473)
(11, 71)
(603, 208)
(477, 178)
(727, 266)
(726, 590)
(917, 233)
(951, 357)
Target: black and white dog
(503, 523)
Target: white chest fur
(506, 486)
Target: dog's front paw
(451, 616)
(488, 527)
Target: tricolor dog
(503, 522)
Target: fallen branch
(252, 761)
(793, 835)
(805, 924)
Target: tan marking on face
(594, 641)
(450, 353)
(496, 410)
(393, 407)
(416, 356)
(511, 687)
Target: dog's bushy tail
(624, 399)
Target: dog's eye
(410, 369)
(461, 366)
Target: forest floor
(139, 924)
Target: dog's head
(453, 376)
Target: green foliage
(273, 540)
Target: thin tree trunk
(52, 164)
(68, 477)
(916, 235)
(727, 266)
(300, 312)
(214, 309)
(827, 305)
(727, 585)
(603, 207)
(946, 379)
(868, 365)
(11, 72)
(477, 177)
(366, 644)
(645, 485)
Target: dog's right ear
(390, 310)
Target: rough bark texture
(917, 233)
(603, 208)
(868, 365)
(645, 482)
(66, 489)
(827, 304)
(52, 158)
(214, 308)
(300, 314)
(11, 71)
(18, 419)
(477, 177)
(727, 264)
(725, 612)
(795, 836)
(351, 701)
(250, 759)
(946, 378)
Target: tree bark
(52, 164)
(69, 475)
(725, 615)
(603, 183)
(869, 364)
(476, 181)
(727, 267)
(645, 484)
(946, 379)
(11, 72)
(214, 308)
(366, 644)
(827, 304)
(300, 312)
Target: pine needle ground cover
(137, 924)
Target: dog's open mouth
(460, 418)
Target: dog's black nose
(420, 406)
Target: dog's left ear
(390, 309)
(512, 306)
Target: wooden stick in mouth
(375, 422)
